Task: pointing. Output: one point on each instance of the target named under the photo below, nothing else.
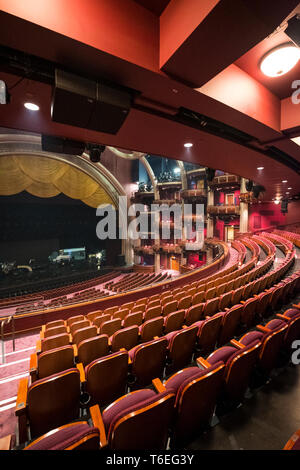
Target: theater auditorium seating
(258, 349)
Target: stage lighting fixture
(95, 152)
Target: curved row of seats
(137, 280)
(178, 336)
(190, 396)
(291, 236)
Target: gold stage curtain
(12, 180)
(98, 197)
(76, 184)
(45, 177)
(42, 189)
(42, 169)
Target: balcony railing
(224, 209)
(193, 193)
(226, 180)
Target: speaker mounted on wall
(89, 104)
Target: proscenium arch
(23, 144)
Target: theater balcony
(223, 210)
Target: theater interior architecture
(123, 325)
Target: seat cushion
(274, 324)
(63, 438)
(292, 312)
(251, 337)
(222, 354)
(174, 382)
(127, 402)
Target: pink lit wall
(265, 216)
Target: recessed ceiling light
(260, 167)
(31, 106)
(290, 188)
(188, 145)
(280, 60)
(284, 181)
(287, 192)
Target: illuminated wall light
(188, 145)
(280, 60)
(276, 201)
(260, 167)
(284, 181)
(31, 106)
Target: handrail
(4, 322)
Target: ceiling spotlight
(280, 60)
(290, 188)
(188, 145)
(260, 167)
(31, 106)
(284, 181)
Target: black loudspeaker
(284, 206)
(121, 260)
(88, 104)
(61, 145)
(293, 29)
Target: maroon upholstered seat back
(142, 423)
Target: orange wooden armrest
(81, 370)
(242, 301)
(70, 339)
(75, 348)
(129, 361)
(296, 306)
(184, 327)
(156, 337)
(279, 315)
(21, 402)
(263, 328)
(38, 346)
(201, 362)
(5, 442)
(43, 329)
(68, 329)
(33, 362)
(42, 335)
(33, 367)
(158, 385)
(98, 423)
(237, 344)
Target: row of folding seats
(293, 237)
(196, 312)
(195, 391)
(216, 330)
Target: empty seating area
(133, 281)
(185, 354)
